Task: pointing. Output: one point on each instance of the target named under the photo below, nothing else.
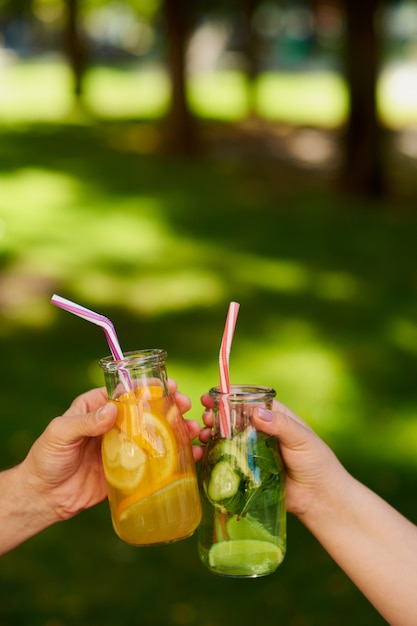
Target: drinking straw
(99, 320)
(229, 329)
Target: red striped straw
(99, 320)
(229, 329)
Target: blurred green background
(92, 207)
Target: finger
(207, 401)
(69, 429)
(278, 406)
(282, 423)
(172, 384)
(88, 401)
(198, 452)
(193, 428)
(208, 418)
(182, 401)
(205, 434)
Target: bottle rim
(244, 393)
(134, 359)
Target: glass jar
(242, 489)
(147, 456)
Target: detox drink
(147, 456)
(242, 489)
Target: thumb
(101, 420)
(71, 428)
(291, 431)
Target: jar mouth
(134, 359)
(244, 393)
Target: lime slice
(248, 527)
(245, 557)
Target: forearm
(22, 514)
(373, 544)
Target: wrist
(34, 499)
(328, 501)
(23, 511)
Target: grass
(328, 317)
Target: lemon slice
(124, 461)
(245, 557)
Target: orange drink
(147, 456)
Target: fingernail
(102, 412)
(265, 415)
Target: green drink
(242, 490)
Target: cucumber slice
(224, 482)
(235, 451)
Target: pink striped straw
(226, 344)
(99, 320)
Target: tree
(75, 46)
(178, 23)
(363, 167)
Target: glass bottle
(242, 489)
(147, 456)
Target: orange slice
(170, 513)
(156, 435)
(142, 503)
(150, 392)
(131, 406)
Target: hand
(312, 469)
(64, 466)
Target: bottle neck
(238, 406)
(141, 368)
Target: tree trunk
(181, 133)
(75, 48)
(362, 171)
(251, 50)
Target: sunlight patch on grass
(317, 99)
(402, 436)
(336, 286)
(176, 290)
(117, 250)
(29, 198)
(397, 95)
(294, 276)
(222, 95)
(402, 333)
(114, 93)
(394, 439)
(150, 293)
(41, 90)
(128, 231)
(308, 375)
(276, 274)
(49, 219)
(35, 91)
